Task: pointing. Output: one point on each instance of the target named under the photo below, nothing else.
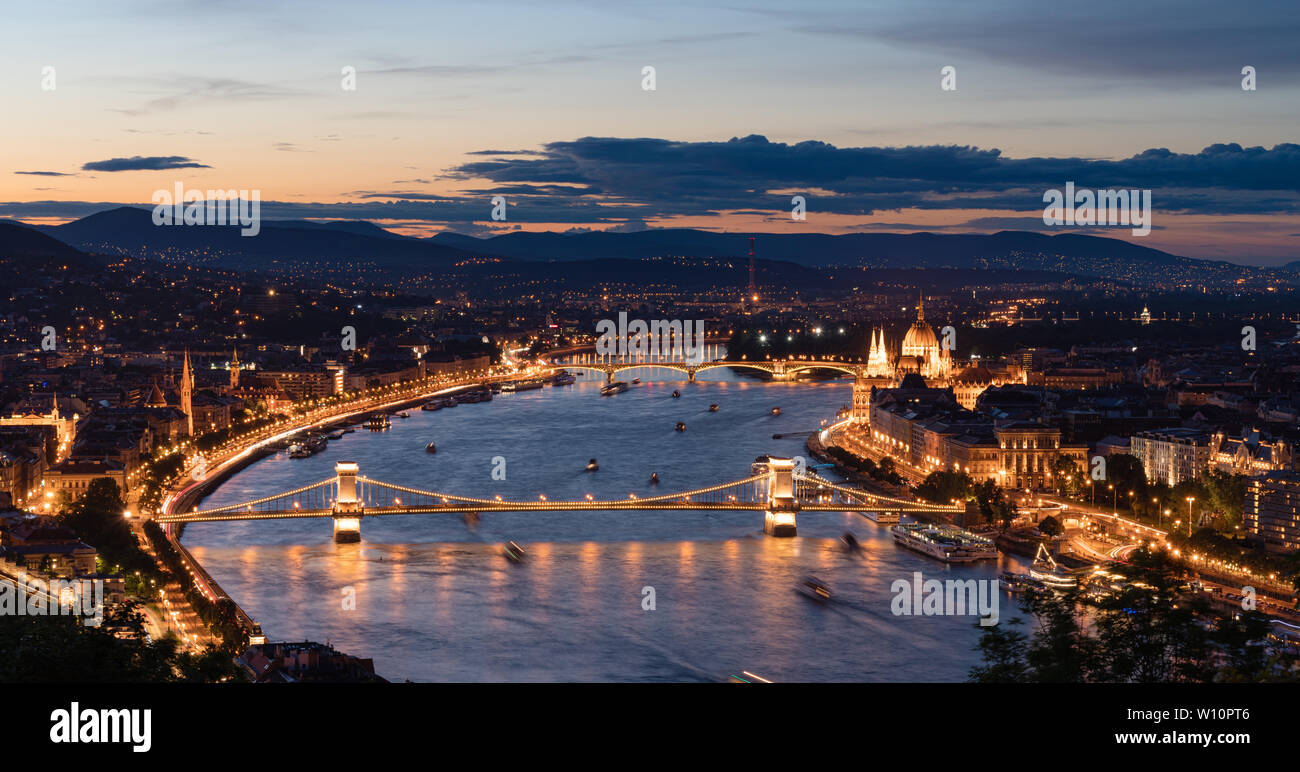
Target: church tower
(234, 369)
(187, 395)
(878, 356)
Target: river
(436, 601)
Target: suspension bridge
(780, 491)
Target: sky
(753, 103)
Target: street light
(1190, 499)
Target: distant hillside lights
(217, 207)
(659, 337)
(1101, 207)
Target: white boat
(886, 518)
(944, 542)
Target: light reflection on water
(435, 600)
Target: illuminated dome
(920, 340)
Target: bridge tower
(348, 510)
(782, 504)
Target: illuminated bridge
(780, 492)
(779, 369)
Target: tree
(99, 520)
(1144, 631)
(61, 649)
(1051, 526)
(1067, 478)
(945, 487)
(1003, 651)
(1125, 472)
(993, 504)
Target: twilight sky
(755, 101)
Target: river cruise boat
(564, 378)
(1046, 570)
(944, 542)
(1018, 583)
(523, 385)
(378, 423)
(887, 518)
(617, 387)
(431, 405)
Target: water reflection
(436, 600)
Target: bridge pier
(690, 375)
(782, 505)
(780, 524)
(347, 530)
(347, 509)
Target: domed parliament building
(923, 352)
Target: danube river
(435, 600)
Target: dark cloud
(628, 181)
(48, 174)
(669, 177)
(1178, 42)
(144, 163)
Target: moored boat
(1045, 569)
(944, 542)
(528, 385)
